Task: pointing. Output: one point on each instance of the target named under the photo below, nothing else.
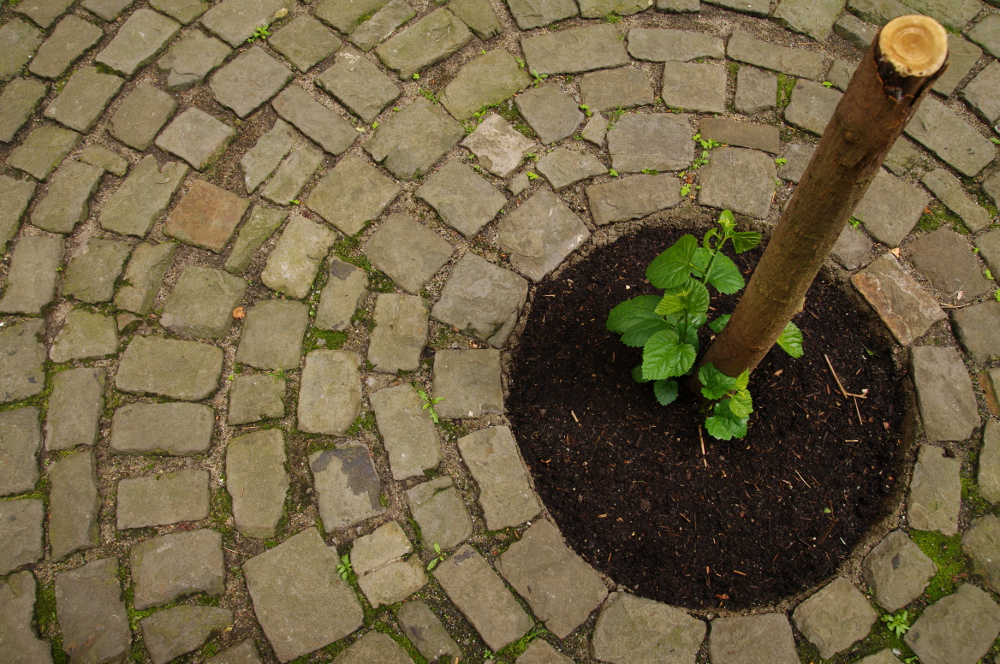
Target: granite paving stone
(44, 149)
(958, 628)
(499, 147)
(946, 260)
(478, 15)
(347, 486)
(413, 140)
(835, 618)
(386, 544)
(18, 102)
(173, 632)
(977, 326)
(14, 198)
(758, 7)
(741, 134)
(982, 93)
(944, 393)
(949, 191)
(248, 81)
(407, 251)
(292, 175)
(636, 629)
(162, 500)
(563, 167)
(18, 639)
(330, 394)
(952, 139)
(408, 433)
(602, 8)
(83, 99)
(65, 203)
(245, 652)
(196, 137)
(935, 493)
(739, 180)
(20, 39)
(765, 637)
(332, 132)
(657, 141)
(184, 370)
(191, 59)
(93, 269)
(955, 13)
(272, 335)
(980, 543)
(346, 16)
(989, 379)
(841, 71)
(109, 10)
(234, 21)
(392, 584)
(295, 260)
(855, 31)
(71, 38)
(98, 155)
(962, 57)
(75, 408)
(851, 248)
(351, 194)
(201, 303)
(539, 13)
(678, 6)
(84, 335)
(632, 197)
(141, 116)
(464, 200)
(438, 509)
(815, 19)
(660, 45)
(989, 249)
(358, 84)
(482, 597)
(469, 383)
(481, 299)
(182, 429)
(256, 397)
(890, 208)
(74, 504)
(21, 526)
(171, 566)
(92, 613)
(904, 157)
(540, 233)
(20, 442)
(344, 293)
(486, 80)
(989, 461)
(257, 481)
(986, 33)
(575, 50)
(140, 39)
(34, 270)
(143, 276)
(746, 48)
(382, 24)
(184, 11)
(897, 571)
(991, 185)
(142, 197)
(400, 332)
(610, 89)
(540, 652)
(22, 359)
(259, 162)
(694, 87)
(373, 647)
(423, 43)
(43, 12)
(426, 632)
(550, 111)
(812, 106)
(304, 42)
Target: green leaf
(637, 374)
(725, 275)
(743, 380)
(666, 391)
(639, 334)
(714, 383)
(727, 221)
(745, 241)
(673, 267)
(790, 340)
(692, 298)
(724, 425)
(719, 324)
(741, 404)
(665, 356)
(632, 312)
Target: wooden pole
(904, 60)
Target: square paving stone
(793, 61)
(504, 486)
(351, 194)
(332, 132)
(465, 200)
(196, 137)
(481, 299)
(616, 88)
(171, 566)
(295, 260)
(22, 358)
(945, 258)
(245, 652)
(468, 382)
(344, 293)
(550, 111)
(20, 533)
(739, 180)
(986, 33)
(741, 134)
(346, 15)
(65, 203)
(293, 174)
(182, 429)
(43, 12)
(944, 393)
(952, 139)
(632, 197)
(980, 544)
(897, 571)
(659, 45)
(176, 631)
(797, 157)
(82, 101)
(499, 147)
(75, 408)
(563, 167)
(949, 190)
(977, 329)
(962, 57)
(142, 197)
(141, 116)
(426, 632)
(440, 512)
(44, 148)
(139, 40)
(256, 397)
(958, 628)
(14, 198)
(890, 208)
(657, 141)
(18, 101)
(304, 42)
(900, 301)
(408, 433)
(602, 8)
(109, 10)
(807, 16)
(93, 269)
(257, 481)
(400, 332)
(330, 395)
(407, 251)
(989, 457)
(632, 628)
(206, 216)
(989, 249)
(71, 39)
(92, 613)
(185, 370)
(34, 270)
(18, 639)
(392, 584)
(259, 227)
(383, 23)
(74, 504)
(272, 335)
(260, 161)
(184, 11)
(292, 587)
(358, 84)
(538, 13)
(20, 39)
(234, 21)
(162, 500)
(487, 80)
(694, 87)
(575, 50)
(144, 275)
(431, 39)
(249, 80)
(191, 58)
(85, 335)
(835, 618)
(20, 442)
(374, 647)
(540, 233)
(413, 140)
(983, 93)
(765, 637)
(812, 106)
(347, 486)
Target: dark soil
(749, 522)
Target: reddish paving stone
(206, 217)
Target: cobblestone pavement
(245, 239)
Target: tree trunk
(901, 65)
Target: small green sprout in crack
(438, 557)
(429, 403)
(780, 161)
(260, 32)
(344, 568)
(898, 623)
(532, 175)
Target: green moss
(331, 339)
(785, 86)
(383, 627)
(734, 68)
(971, 497)
(364, 422)
(512, 651)
(878, 639)
(509, 113)
(946, 552)
(937, 215)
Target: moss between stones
(946, 552)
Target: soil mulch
(748, 522)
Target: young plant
(438, 557)
(429, 404)
(666, 327)
(344, 567)
(260, 32)
(898, 623)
